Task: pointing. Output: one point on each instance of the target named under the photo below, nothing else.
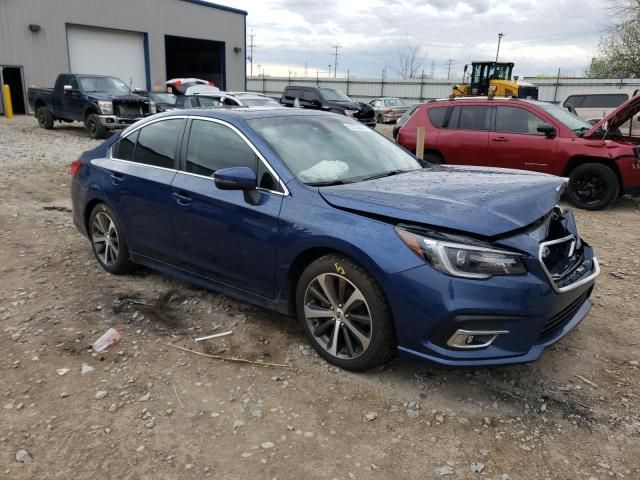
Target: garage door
(108, 52)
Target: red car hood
(618, 117)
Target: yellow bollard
(8, 107)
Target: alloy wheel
(589, 188)
(104, 236)
(338, 316)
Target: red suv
(602, 161)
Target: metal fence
(418, 90)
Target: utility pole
(335, 61)
(433, 68)
(449, 68)
(305, 68)
(329, 70)
(251, 45)
(500, 35)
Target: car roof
(485, 99)
(244, 113)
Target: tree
(410, 60)
(619, 49)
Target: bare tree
(411, 59)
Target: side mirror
(466, 67)
(235, 178)
(547, 129)
(67, 88)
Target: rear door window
(157, 143)
(124, 148)
(437, 116)
(517, 120)
(469, 117)
(604, 101)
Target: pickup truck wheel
(94, 128)
(592, 186)
(44, 117)
(344, 314)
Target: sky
(541, 36)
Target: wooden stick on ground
(176, 392)
(229, 359)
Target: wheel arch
(90, 109)
(578, 160)
(307, 256)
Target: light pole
(500, 35)
(329, 71)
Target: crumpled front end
(502, 319)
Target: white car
(243, 99)
(190, 86)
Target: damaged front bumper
(113, 121)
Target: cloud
(541, 36)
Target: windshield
(333, 95)
(259, 102)
(103, 84)
(394, 102)
(167, 98)
(322, 150)
(565, 117)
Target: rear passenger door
(219, 233)
(515, 142)
(464, 139)
(140, 170)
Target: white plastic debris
(62, 371)
(215, 335)
(108, 339)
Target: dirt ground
(149, 411)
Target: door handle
(182, 198)
(116, 178)
(500, 139)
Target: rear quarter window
(437, 115)
(124, 148)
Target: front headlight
(350, 113)
(462, 257)
(106, 107)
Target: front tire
(592, 186)
(44, 117)
(344, 314)
(107, 240)
(94, 128)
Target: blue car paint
(223, 243)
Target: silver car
(389, 109)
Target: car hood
(127, 97)
(481, 201)
(345, 104)
(618, 117)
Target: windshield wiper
(385, 174)
(582, 130)
(329, 183)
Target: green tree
(619, 49)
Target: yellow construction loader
(494, 79)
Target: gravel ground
(146, 410)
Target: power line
(449, 68)
(335, 61)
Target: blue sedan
(316, 216)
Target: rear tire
(592, 186)
(344, 314)
(434, 158)
(107, 240)
(44, 117)
(94, 128)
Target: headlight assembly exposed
(106, 107)
(462, 257)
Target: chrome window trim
(127, 132)
(579, 283)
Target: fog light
(473, 339)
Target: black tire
(44, 117)
(433, 157)
(122, 262)
(381, 345)
(592, 186)
(94, 128)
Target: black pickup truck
(103, 103)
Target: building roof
(206, 3)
